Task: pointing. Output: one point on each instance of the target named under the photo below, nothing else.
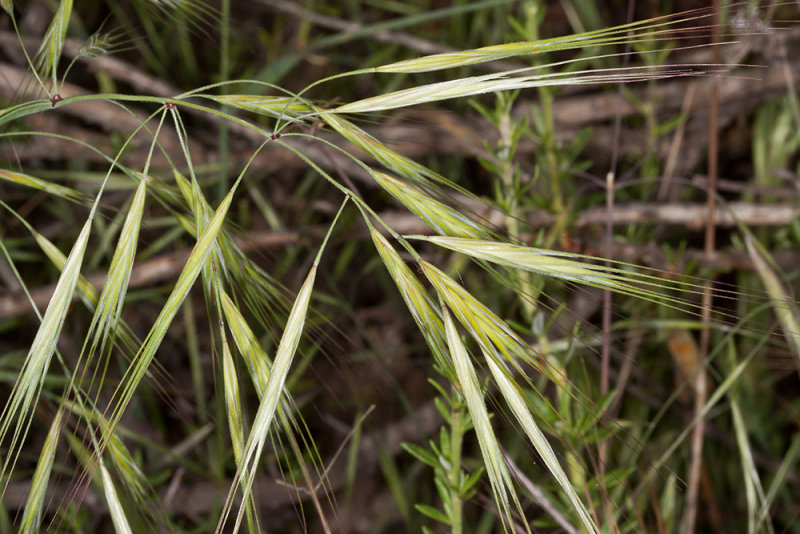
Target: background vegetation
(201, 248)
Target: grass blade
(394, 161)
(196, 261)
(278, 107)
(121, 525)
(84, 288)
(272, 393)
(782, 303)
(49, 54)
(416, 298)
(644, 30)
(232, 401)
(256, 359)
(26, 390)
(490, 83)
(109, 305)
(499, 477)
(498, 342)
(752, 483)
(275, 385)
(519, 408)
(50, 188)
(491, 332)
(234, 411)
(786, 469)
(442, 218)
(32, 517)
(577, 268)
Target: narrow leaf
(272, 394)
(433, 513)
(49, 52)
(257, 361)
(28, 385)
(233, 402)
(489, 330)
(121, 525)
(109, 305)
(782, 303)
(490, 83)
(32, 517)
(278, 107)
(578, 268)
(492, 457)
(57, 190)
(392, 160)
(644, 30)
(415, 296)
(519, 408)
(442, 218)
(196, 261)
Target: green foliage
(489, 309)
(454, 485)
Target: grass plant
(204, 385)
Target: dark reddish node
(55, 99)
(169, 105)
(275, 136)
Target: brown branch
(692, 215)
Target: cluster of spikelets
(439, 305)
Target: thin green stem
(546, 103)
(224, 73)
(453, 476)
(27, 56)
